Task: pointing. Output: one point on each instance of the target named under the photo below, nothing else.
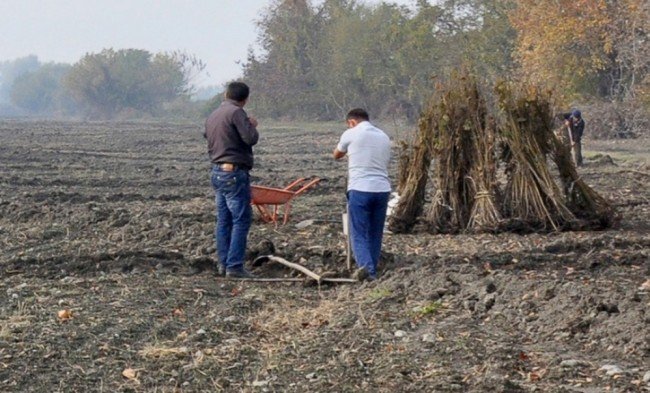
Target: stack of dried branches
(485, 213)
(531, 195)
(412, 189)
(405, 153)
(464, 153)
(458, 130)
(583, 201)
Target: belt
(228, 167)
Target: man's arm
(246, 127)
(342, 147)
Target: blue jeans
(234, 215)
(367, 212)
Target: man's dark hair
(237, 91)
(358, 114)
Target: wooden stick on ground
(295, 266)
(302, 269)
(272, 279)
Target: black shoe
(239, 274)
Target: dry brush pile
(491, 165)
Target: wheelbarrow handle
(307, 186)
(293, 184)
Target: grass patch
(379, 293)
(623, 155)
(428, 309)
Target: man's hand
(253, 121)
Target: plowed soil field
(108, 282)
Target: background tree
(358, 61)
(486, 36)
(284, 73)
(563, 43)
(319, 61)
(41, 91)
(595, 54)
(627, 76)
(12, 69)
(130, 80)
(9, 71)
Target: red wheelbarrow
(267, 200)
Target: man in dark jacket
(576, 127)
(231, 135)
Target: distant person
(231, 135)
(368, 151)
(576, 127)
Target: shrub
(609, 120)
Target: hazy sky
(218, 31)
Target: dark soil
(114, 222)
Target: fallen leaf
(64, 314)
(178, 312)
(129, 373)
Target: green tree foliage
(130, 80)
(41, 92)
(319, 61)
(288, 36)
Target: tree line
(104, 85)
(319, 60)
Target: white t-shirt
(368, 150)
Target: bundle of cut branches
(459, 132)
(405, 154)
(531, 196)
(413, 182)
(464, 155)
(485, 213)
(583, 201)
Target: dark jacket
(577, 128)
(230, 135)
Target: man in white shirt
(368, 151)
